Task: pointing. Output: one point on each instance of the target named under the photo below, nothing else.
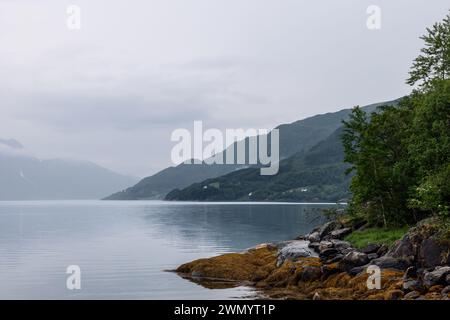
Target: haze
(113, 91)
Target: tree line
(400, 155)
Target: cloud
(114, 91)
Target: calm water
(123, 248)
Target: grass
(360, 239)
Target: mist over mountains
(299, 141)
(24, 177)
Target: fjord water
(124, 248)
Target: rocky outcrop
(320, 265)
(423, 246)
(292, 250)
(436, 277)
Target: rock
(447, 279)
(412, 295)
(323, 245)
(411, 272)
(233, 266)
(435, 277)
(383, 250)
(371, 248)
(354, 259)
(412, 285)
(313, 237)
(338, 257)
(333, 250)
(310, 273)
(356, 270)
(340, 245)
(403, 248)
(436, 288)
(197, 274)
(340, 233)
(394, 295)
(372, 256)
(388, 262)
(327, 228)
(314, 246)
(445, 291)
(328, 254)
(294, 250)
(432, 254)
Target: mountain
(316, 175)
(295, 137)
(24, 177)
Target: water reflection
(123, 247)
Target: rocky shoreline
(321, 265)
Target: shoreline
(321, 265)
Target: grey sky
(114, 91)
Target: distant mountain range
(299, 179)
(24, 177)
(316, 175)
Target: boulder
(436, 277)
(313, 237)
(445, 291)
(383, 250)
(388, 262)
(372, 256)
(412, 285)
(310, 273)
(354, 259)
(394, 295)
(403, 248)
(327, 228)
(334, 259)
(371, 248)
(330, 269)
(323, 245)
(328, 254)
(411, 272)
(314, 246)
(432, 253)
(356, 270)
(340, 233)
(412, 295)
(340, 245)
(293, 250)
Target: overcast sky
(113, 91)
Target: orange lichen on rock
(251, 265)
(301, 277)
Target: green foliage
(401, 155)
(433, 193)
(361, 239)
(376, 151)
(434, 62)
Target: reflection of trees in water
(231, 227)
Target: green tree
(429, 149)
(375, 147)
(434, 62)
